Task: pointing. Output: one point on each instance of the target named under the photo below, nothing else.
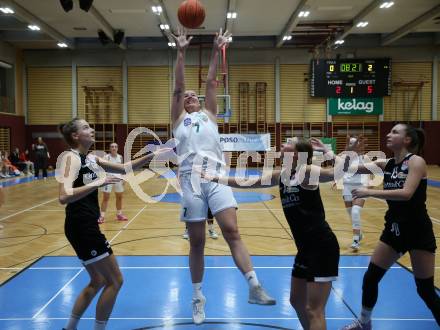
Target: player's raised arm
(182, 43)
(221, 40)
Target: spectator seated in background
(11, 170)
(3, 169)
(24, 158)
(14, 157)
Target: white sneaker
(198, 307)
(185, 234)
(212, 233)
(257, 295)
(355, 245)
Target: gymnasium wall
(16, 128)
(14, 56)
(153, 69)
(149, 94)
(7, 53)
(252, 73)
(150, 85)
(19, 65)
(54, 142)
(296, 103)
(50, 136)
(149, 88)
(438, 91)
(14, 122)
(49, 97)
(97, 76)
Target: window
(7, 93)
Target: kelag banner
(355, 106)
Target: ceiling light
(230, 39)
(386, 4)
(156, 9)
(339, 42)
(172, 44)
(164, 27)
(34, 27)
(231, 15)
(6, 10)
(390, 4)
(362, 24)
(5, 65)
(304, 13)
(62, 45)
(287, 37)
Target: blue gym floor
(157, 293)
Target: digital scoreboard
(350, 78)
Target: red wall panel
(17, 129)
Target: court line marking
(212, 318)
(82, 269)
(128, 223)
(239, 209)
(28, 209)
(437, 221)
(187, 267)
(56, 294)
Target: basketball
(191, 14)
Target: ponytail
(417, 136)
(303, 145)
(67, 129)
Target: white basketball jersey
(356, 179)
(198, 137)
(116, 160)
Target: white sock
(365, 315)
(73, 322)
(252, 278)
(348, 209)
(356, 238)
(100, 325)
(119, 212)
(356, 217)
(102, 214)
(197, 290)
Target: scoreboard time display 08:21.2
(350, 78)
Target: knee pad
(356, 216)
(370, 285)
(373, 275)
(426, 290)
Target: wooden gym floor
(33, 223)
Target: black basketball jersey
(394, 178)
(87, 208)
(41, 150)
(304, 212)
